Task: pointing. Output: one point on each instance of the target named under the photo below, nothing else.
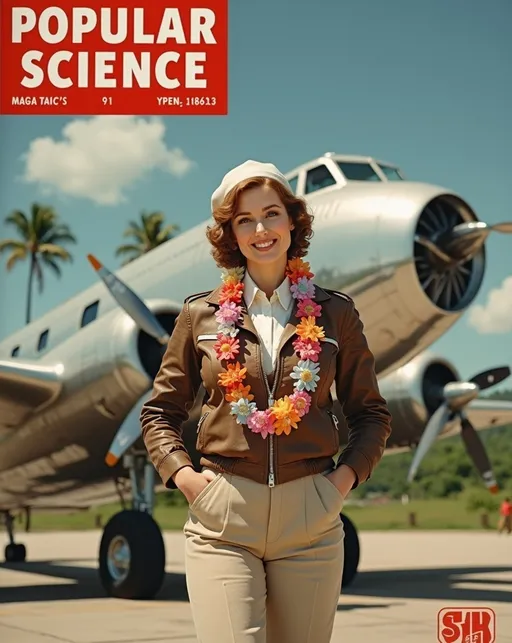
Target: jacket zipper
(271, 475)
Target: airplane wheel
(15, 553)
(352, 551)
(132, 556)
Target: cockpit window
(358, 171)
(392, 173)
(318, 178)
(293, 183)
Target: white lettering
(81, 26)
(53, 25)
(171, 27)
(28, 65)
(99, 69)
(83, 69)
(201, 24)
(53, 70)
(132, 69)
(103, 68)
(106, 26)
(44, 25)
(192, 69)
(161, 70)
(139, 37)
(23, 21)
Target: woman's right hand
(191, 483)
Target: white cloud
(496, 315)
(101, 157)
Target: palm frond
(18, 254)
(51, 263)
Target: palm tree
(147, 235)
(41, 236)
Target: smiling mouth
(264, 245)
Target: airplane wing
(26, 387)
(484, 414)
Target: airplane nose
(448, 252)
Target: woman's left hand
(343, 479)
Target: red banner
(127, 57)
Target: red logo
(466, 625)
(120, 57)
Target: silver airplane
(72, 383)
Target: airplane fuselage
(363, 245)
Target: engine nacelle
(366, 244)
(413, 393)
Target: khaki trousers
(264, 565)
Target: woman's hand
(191, 483)
(343, 479)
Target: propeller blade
(489, 378)
(478, 455)
(430, 245)
(128, 432)
(130, 302)
(505, 227)
(430, 434)
(465, 239)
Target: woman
(264, 538)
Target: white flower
(306, 374)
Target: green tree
(148, 234)
(40, 241)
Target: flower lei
(285, 413)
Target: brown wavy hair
(225, 249)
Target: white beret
(248, 170)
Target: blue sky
(423, 85)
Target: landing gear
(352, 551)
(14, 552)
(132, 550)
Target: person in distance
(264, 537)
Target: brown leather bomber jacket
(225, 445)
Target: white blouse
(269, 317)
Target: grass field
(429, 514)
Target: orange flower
(234, 375)
(298, 268)
(307, 329)
(231, 292)
(239, 391)
(285, 416)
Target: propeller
(462, 242)
(457, 395)
(128, 432)
(130, 302)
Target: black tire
(352, 552)
(146, 568)
(15, 553)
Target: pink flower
(261, 422)
(228, 313)
(307, 349)
(301, 402)
(308, 308)
(226, 347)
(303, 289)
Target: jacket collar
(246, 322)
(282, 292)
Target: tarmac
(405, 578)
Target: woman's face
(262, 227)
